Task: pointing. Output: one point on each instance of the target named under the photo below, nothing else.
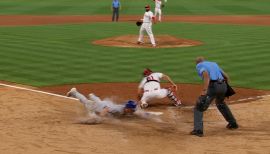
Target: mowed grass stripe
(66, 55)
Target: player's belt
(152, 80)
(217, 81)
(153, 90)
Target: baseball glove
(162, 5)
(139, 23)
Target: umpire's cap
(131, 105)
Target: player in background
(158, 11)
(116, 7)
(149, 88)
(148, 19)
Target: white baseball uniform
(147, 26)
(158, 9)
(151, 87)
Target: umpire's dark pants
(216, 90)
(115, 15)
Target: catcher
(149, 88)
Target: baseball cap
(147, 6)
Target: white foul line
(37, 91)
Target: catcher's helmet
(131, 105)
(147, 72)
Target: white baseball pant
(148, 28)
(158, 11)
(154, 94)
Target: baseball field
(48, 47)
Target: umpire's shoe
(232, 125)
(198, 133)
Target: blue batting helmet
(131, 105)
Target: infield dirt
(162, 41)
(37, 123)
(19, 20)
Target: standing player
(148, 18)
(116, 6)
(149, 88)
(158, 4)
(214, 87)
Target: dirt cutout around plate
(162, 41)
(122, 92)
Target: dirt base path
(38, 123)
(19, 20)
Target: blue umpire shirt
(212, 68)
(115, 4)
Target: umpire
(214, 87)
(116, 6)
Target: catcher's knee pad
(202, 104)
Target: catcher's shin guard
(171, 95)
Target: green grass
(90, 7)
(53, 55)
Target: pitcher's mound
(162, 41)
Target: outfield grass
(52, 55)
(90, 7)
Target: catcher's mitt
(139, 23)
(162, 5)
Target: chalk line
(37, 91)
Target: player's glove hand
(162, 5)
(139, 97)
(139, 23)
